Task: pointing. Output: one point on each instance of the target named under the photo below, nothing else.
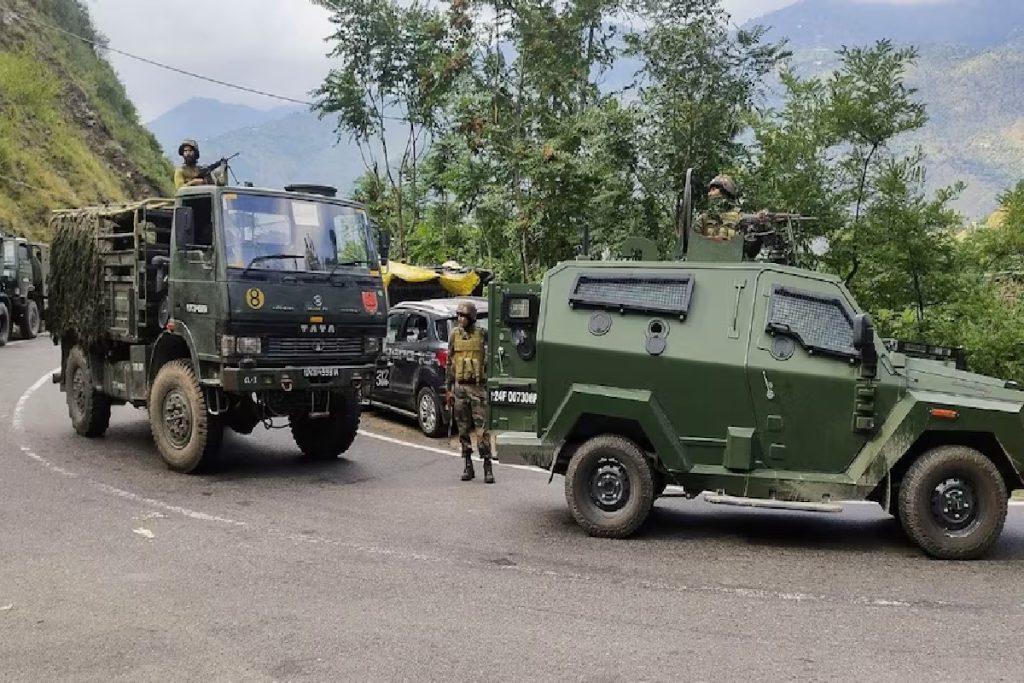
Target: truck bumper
(320, 378)
(522, 448)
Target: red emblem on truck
(370, 301)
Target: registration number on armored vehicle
(321, 372)
(513, 397)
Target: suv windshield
(281, 233)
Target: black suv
(410, 369)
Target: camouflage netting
(77, 306)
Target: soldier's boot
(468, 472)
(488, 472)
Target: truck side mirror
(864, 342)
(384, 246)
(184, 227)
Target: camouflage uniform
(723, 216)
(186, 173)
(467, 381)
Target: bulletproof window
(641, 293)
(415, 328)
(821, 323)
(202, 219)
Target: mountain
(204, 118)
(969, 74)
(976, 24)
(69, 135)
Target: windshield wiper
(270, 257)
(345, 263)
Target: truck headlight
(227, 345)
(248, 345)
(372, 345)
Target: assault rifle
(762, 237)
(206, 171)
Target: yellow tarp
(457, 284)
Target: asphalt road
(385, 566)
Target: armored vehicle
(748, 379)
(224, 307)
(23, 286)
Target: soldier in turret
(191, 173)
(466, 384)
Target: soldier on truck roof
(190, 173)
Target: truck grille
(313, 348)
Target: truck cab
(23, 287)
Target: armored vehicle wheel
(89, 409)
(29, 328)
(429, 412)
(5, 324)
(325, 438)
(952, 503)
(187, 436)
(609, 486)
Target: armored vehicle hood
(933, 376)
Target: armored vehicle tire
(952, 503)
(609, 486)
(187, 436)
(88, 409)
(29, 328)
(429, 412)
(326, 438)
(5, 324)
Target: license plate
(513, 397)
(320, 372)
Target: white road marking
(143, 532)
(442, 451)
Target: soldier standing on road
(466, 384)
(190, 173)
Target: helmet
(191, 143)
(468, 308)
(726, 184)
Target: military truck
(223, 307)
(23, 286)
(748, 379)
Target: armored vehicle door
(803, 371)
(193, 271)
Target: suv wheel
(5, 323)
(952, 503)
(430, 412)
(609, 486)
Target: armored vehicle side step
(721, 499)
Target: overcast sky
(271, 45)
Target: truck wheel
(325, 438)
(5, 324)
(609, 487)
(430, 412)
(29, 328)
(89, 409)
(952, 503)
(187, 436)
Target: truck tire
(29, 328)
(430, 412)
(952, 503)
(609, 487)
(5, 323)
(325, 438)
(88, 409)
(187, 436)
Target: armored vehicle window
(819, 322)
(649, 293)
(415, 328)
(394, 324)
(202, 219)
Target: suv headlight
(372, 345)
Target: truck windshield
(281, 233)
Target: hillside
(69, 135)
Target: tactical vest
(468, 356)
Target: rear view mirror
(384, 246)
(864, 342)
(184, 227)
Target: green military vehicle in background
(751, 380)
(23, 286)
(224, 307)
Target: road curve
(385, 566)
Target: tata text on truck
(749, 379)
(225, 307)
